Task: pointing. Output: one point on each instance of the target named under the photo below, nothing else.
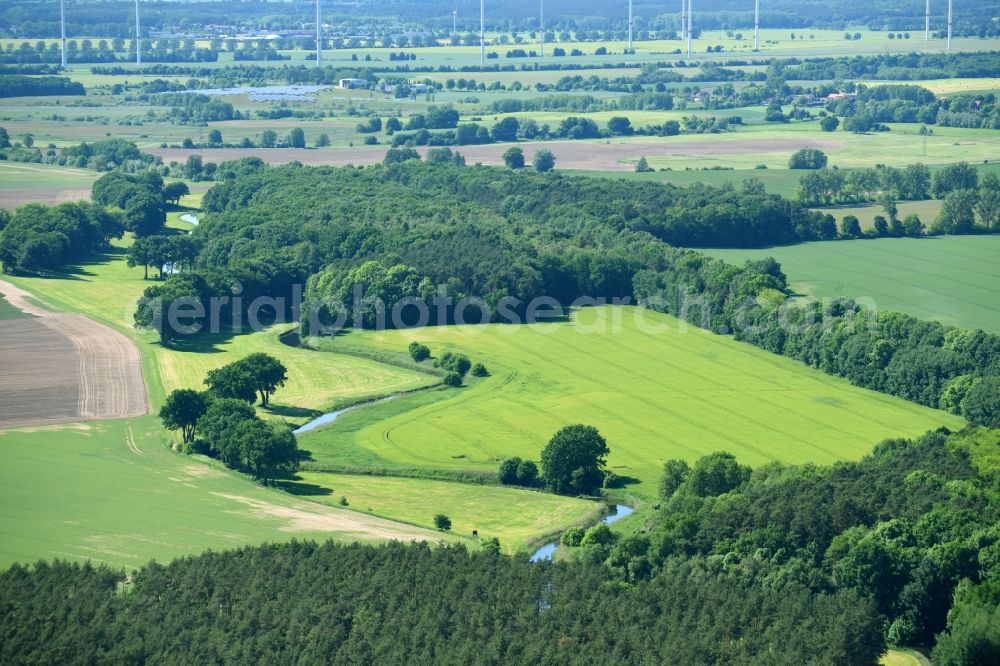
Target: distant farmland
(22, 183)
(951, 279)
(671, 394)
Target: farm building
(348, 84)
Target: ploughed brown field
(61, 368)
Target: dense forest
(303, 603)
(776, 565)
(904, 528)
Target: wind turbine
(629, 25)
(482, 34)
(756, 25)
(541, 27)
(454, 21)
(319, 38)
(927, 21)
(949, 25)
(690, 5)
(62, 29)
(138, 39)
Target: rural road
(62, 368)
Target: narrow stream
(544, 553)
(548, 550)
(330, 417)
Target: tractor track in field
(62, 368)
(387, 433)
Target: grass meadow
(676, 392)
(113, 492)
(519, 517)
(951, 279)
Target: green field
(675, 392)
(519, 517)
(315, 381)
(951, 279)
(114, 492)
(81, 491)
(21, 183)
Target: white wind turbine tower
(690, 9)
(541, 27)
(454, 21)
(138, 39)
(927, 21)
(482, 35)
(629, 25)
(319, 38)
(756, 25)
(949, 25)
(62, 30)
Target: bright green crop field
(655, 388)
(951, 279)
(112, 491)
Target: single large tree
(182, 410)
(573, 460)
(717, 473)
(544, 161)
(513, 157)
(219, 425)
(265, 449)
(173, 192)
(675, 472)
(267, 373)
(981, 404)
(232, 381)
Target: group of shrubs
(455, 366)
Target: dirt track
(60, 368)
(613, 156)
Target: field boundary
(107, 369)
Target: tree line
(15, 85)
(37, 238)
(915, 104)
